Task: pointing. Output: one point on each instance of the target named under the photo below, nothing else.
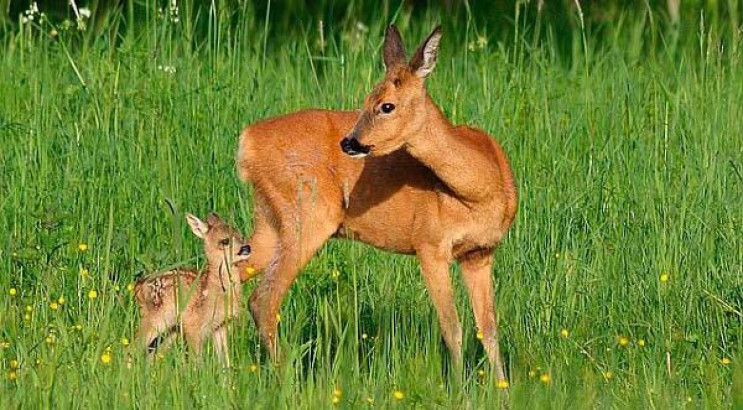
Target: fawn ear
(213, 219)
(424, 59)
(198, 227)
(394, 49)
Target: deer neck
(460, 166)
(223, 275)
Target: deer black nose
(353, 147)
(244, 250)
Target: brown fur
(428, 188)
(181, 300)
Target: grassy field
(620, 284)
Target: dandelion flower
(29, 308)
(54, 306)
(253, 368)
(82, 247)
(480, 335)
(62, 300)
(337, 393)
(5, 345)
(336, 400)
(664, 277)
(623, 341)
(278, 317)
(250, 271)
(12, 376)
(608, 375)
(545, 378)
(502, 384)
(13, 291)
(93, 294)
(641, 342)
(124, 341)
(564, 333)
(14, 364)
(725, 361)
(50, 340)
(130, 287)
(399, 395)
(78, 327)
(532, 374)
(84, 273)
(370, 400)
(27, 317)
(106, 358)
(364, 336)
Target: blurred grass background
(620, 285)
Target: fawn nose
(352, 147)
(244, 250)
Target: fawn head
(223, 245)
(395, 109)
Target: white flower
(85, 12)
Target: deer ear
(213, 219)
(394, 49)
(198, 227)
(424, 59)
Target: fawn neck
(222, 274)
(457, 163)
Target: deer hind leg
(435, 269)
(263, 241)
(304, 226)
(477, 274)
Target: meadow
(620, 284)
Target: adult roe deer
(428, 188)
(198, 305)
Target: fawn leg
(435, 269)
(476, 272)
(220, 345)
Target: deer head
(223, 245)
(395, 110)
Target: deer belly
(390, 231)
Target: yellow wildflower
(124, 341)
(50, 339)
(253, 368)
(608, 375)
(5, 345)
(336, 400)
(623, 341)
(82, 246)
(106, 358)
(29, 308)
(54, 306)
(27, 316)
(130, 287)
(62, 300)
(335, 274)
(250, 271)
(564, 333)
(502, 384)
(93, 294)
(481, 373)
(664, 277)
(532, 374)
(641, 342)
(278, 317)
(370, 400)
(14, 364)
(84, 273)
(337, 393)
(12, 376)
(13, 291)
(364, 336)
(725, 361)
(545, 378)
(399, 395)
(480, 335)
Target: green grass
(629, 166)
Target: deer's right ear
(198, 227)
(394, 49)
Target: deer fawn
(426, 187)
(198, 305)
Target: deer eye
(224, 242)
(388, 108)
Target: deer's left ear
(424, 59)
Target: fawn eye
(388, 108)
(224, 242)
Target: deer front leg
(435, 269)
(220, 345)
(476, 272)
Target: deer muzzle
(351, 146)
